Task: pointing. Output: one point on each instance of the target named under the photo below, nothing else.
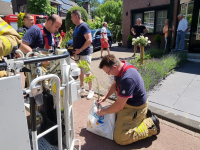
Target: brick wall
(129, 5)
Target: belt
(180, 30)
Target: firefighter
(9, 39)
(28, 22)
(41, 35)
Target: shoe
(81, 90)
(149, 114)
(156, 123)
(90, 94)
(133, 55)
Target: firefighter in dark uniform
(28, 22)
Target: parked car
(96, 44)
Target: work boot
(156, 122)
(149, 114)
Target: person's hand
(100, 112)
(141, 34)
(102, 99)
(134, 33)
(17, 55)
(76, 52)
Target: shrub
(129, 39)
(119, 36)
(66, 38)
(157, 38)
(154, 70)
(155, 53)
(69, 23)
(20, 19)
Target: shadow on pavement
(189, 67)
(95, 142)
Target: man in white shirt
(181, 31)
(104, 39)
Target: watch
(81, 50)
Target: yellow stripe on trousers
(3, 27)
(7, 45)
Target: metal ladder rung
(47, 131)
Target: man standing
(137, 31)
(82, 39)
(41, 35)
(104, 38)
(28, 22)
(63, 33)
(181, 31)
(133, 123)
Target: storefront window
(198, 28)
(149, 20)
(161, 17)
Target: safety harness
(122, 73)
(45, 36)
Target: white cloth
(104, 31)
(183, 25)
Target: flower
(143, 41)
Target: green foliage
(129, 39)
(157, 38)
(84, 64)
(154, 70)
(20, 19)
(66, 38)
(97, 23)
(40, 7)
(155, 53)
(89, 79)
(104, 1)
(112, 10)
(69, 23)
(119, 36)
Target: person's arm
(146, 30)
(132, 30)
(114, 108)
(87, 43)
(60, 41)
(165, 29)
(28, 39)
(25, 48)
(111, 90)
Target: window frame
(155, 9)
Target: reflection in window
(186, 11)
(161, 17)
(149, 20)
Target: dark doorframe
(194, 45)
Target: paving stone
(191, 92)
(189, 105)
(164, 98)
(180, 80)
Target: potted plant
(119, 38)
(84, 64)
(129, 41)
(157, 40)
(142, 42)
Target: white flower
(146, 38)
(138, 38)
(149, 41)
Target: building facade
(154, 13)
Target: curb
(176, 119)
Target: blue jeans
(180, 37)
(165, 42)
